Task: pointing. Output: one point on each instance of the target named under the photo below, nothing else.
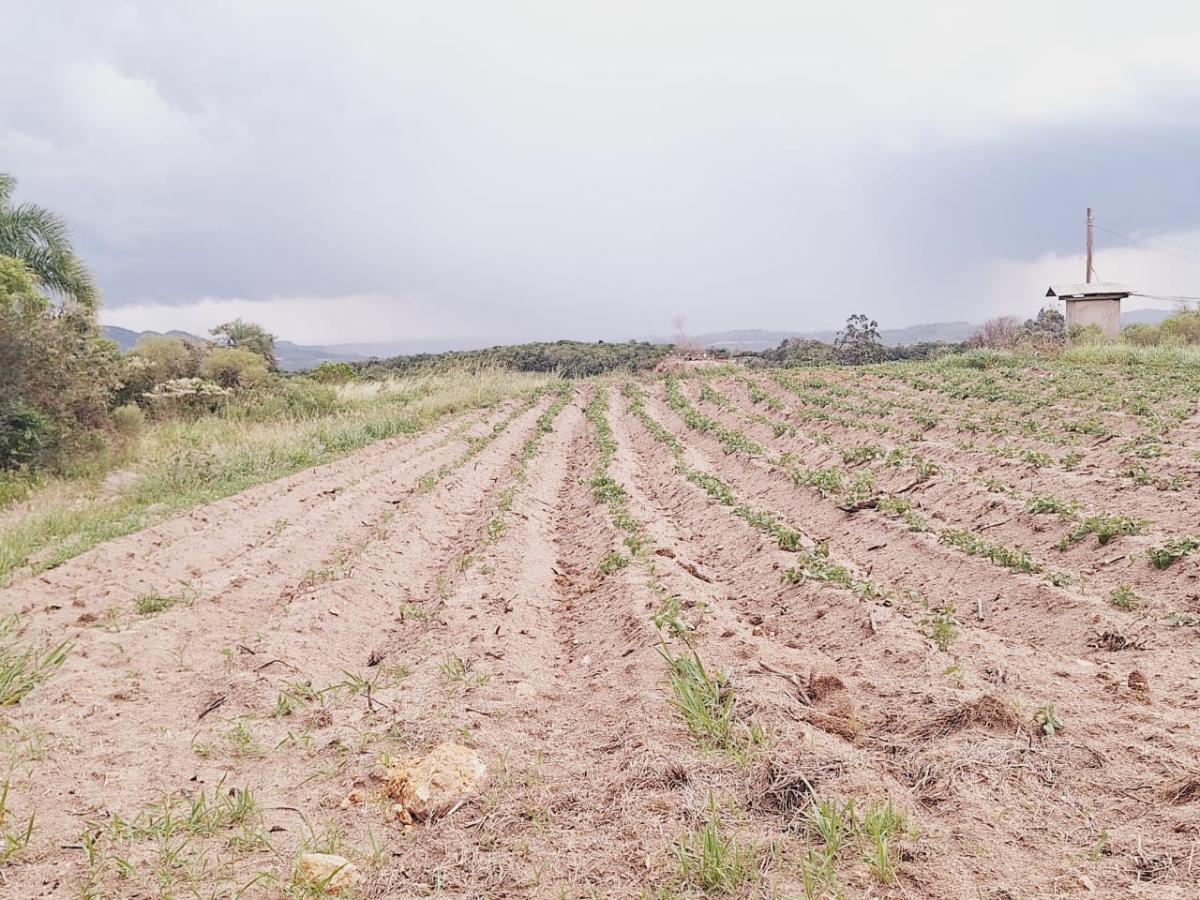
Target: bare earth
(315, 627)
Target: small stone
(331, 873)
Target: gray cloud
(542, 169)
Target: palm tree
(40, 239)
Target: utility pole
(1091, 221)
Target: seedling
(1174, 549)
(1104, 527)
(611, 562)
(1123, 597)
(1047, 720)
(943, 626)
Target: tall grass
(1130, 354)
(180, 464)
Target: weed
(833, 822)
(241, 740)
(457, 670)
(881, 825)
(24, 667)
(705, 700)
(151, 604)
(713, 861)
(12, 842)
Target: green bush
(1181, 328)
(186, 398)
(235, 367)
(330, 372)
(56, 374)
(24, 434)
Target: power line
(1171, 297)
(1152, 237)
(1145, 243)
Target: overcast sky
(358, 171)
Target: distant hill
(1145, 316)
(292, 357)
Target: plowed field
(908, 631)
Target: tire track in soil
(114, 691)
(1102, 709)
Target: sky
(393, 170)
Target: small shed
(1096, 303)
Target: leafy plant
(943, 626)
(1045, 504)
(611, 562)
(1123, 597)
(1174, 549)
(1104, 527)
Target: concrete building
(1097, 303)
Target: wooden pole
(1090, 223)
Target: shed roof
(1097, 290)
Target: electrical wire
(1169, 297)
(1145, 244)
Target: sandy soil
(452, 587)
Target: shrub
(24, 433)
(235, 367)
(56, 373)
(999, 333)
(1181, 328)
(186, 397)
(330, 372)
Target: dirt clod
(431, 786)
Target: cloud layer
(363, 171)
